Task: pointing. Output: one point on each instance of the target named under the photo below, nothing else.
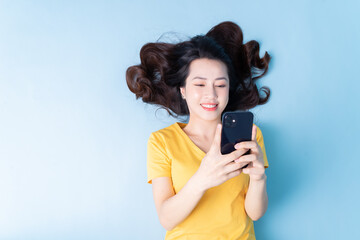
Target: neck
(202, 128)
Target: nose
(211, 92)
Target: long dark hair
(165, 66)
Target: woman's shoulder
(168, 132)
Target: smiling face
(206, 89)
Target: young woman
(198, 192)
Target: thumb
(217, 138)
(254, 130)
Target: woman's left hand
(255, 169)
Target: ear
(182, 91)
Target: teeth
(209, 106)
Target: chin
(211, 116)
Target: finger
(247, 145)
(251, 158)
(254, 130)
(245, 165)
(234, 155)
(246, 158)
(217, 138)
(234, 173)
(232, 166)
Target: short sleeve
(158, 163)
(260, 141)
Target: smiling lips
(209, 106)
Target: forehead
(207, 68)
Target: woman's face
(206, 89)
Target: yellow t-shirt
(220, 214)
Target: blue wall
(73, 137)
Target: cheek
(224, 94)
(194, 94)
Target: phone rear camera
(229, 121)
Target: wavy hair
(164, 68)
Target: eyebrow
(202, 78)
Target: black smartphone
(236, 127)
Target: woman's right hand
(216, 168)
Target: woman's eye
(202, 85)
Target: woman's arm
(256, 201)
(174, 208)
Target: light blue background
(73, 137)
